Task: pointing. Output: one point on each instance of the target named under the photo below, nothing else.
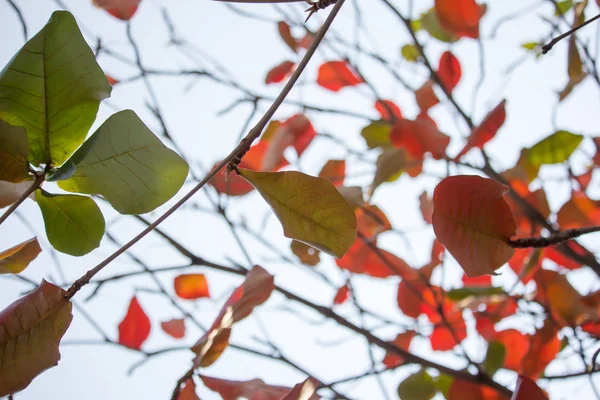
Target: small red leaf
(460, 17)
(191, 286)
(280, 72)
(336, 75)
(527, 389)
(135, 327)
(449, 71)
(486, 130)
(402, 341)
(341, 295)
(371, 221)
(188, 392)
(420, 137)
(122, 9)
(286, 34)
(174, 328)
(544, 345)
(516, 345)
(384, 107)
(426, 97)
(484, 280)
(426, 206)
(111, 80)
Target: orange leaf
(280, 72)
(134, 329)
(336, 75)
(426, 97)
(191, 286)
(461, 390)
(188, 391)
(564, 302)
(122, 9)
(371, 221)
(486, 130)
(308, 255)
(296, 131)
(544, 345)
(335, 171)
(527, 389)
(525, 263)
(580, 211)
(460, 17)
(419, 137)
(402, 341)
(443, 339)
(516, 345)
(410, 297)
(473, 221)
(254, 389)
(449, 71)
(384, 107)
(174, 328)
(111, 80)
(15, 259)
(361, 258)
(341, 295)
(286, 34)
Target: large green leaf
(13, 153)
(53, 87)
(310, 209)
(418, 386)
(127, 164)
(74, 224)
(30, 331)
(554, 149)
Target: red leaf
(516, 345)
(371, 221)
(191, 286)
(461, 390)
(419, 137)
(460, 17)
(342, 295)
(384, 107)
(426, 97)
(335, 171)
(580, 211)
(280, 72)
(122, 9)
(402, 341)
(525, 263)
(111, 80)
(135, 327)
(444, 339)
(255, 389)
(174, 328)
(426, 206)
(449, 71)
(473, 221)
(296, 131)
(527, 389)
(552, 253)
(484, 280)
(544, 345)
(336, 75)
(286, 34)
(410, 297)
(486, 130)
(188, 392)
(361, 258)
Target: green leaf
(494, 358)
(30, 332)
(443, 383)
(410, 52)
(390, 166)
(310, 209)
(431, 23)
(13, 153)
(52, 87)
(18, 257)
(562, 7)
(74, 224)
(554, 149)
(475, 291)
(377, 134)
(124, 162)
(418, 386)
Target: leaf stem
(547, 47)
(239, 150)
(556, 238)
(34, 186)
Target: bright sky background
(249, 48)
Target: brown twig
(548, 46)
(556, 238)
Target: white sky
(249, 48)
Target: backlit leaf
(335, 171)
(527, 389)
(486, 130)
(473, 291)
(134, 329)
(74, 224)
(252, 389)
(418, 386)
(544, 345)
(378, 263)
(341, 295)
(562, 300)
(461, 389)
(516, 345)
(305, 390)
(306, 254)
(555, 148)
(310, 209)
(13, 153)
(122, 9)
(419, 137)
(402, 341)
(410, 52)
(377, 134)
(473, 221)
(174, 328)
(286, 35)
(431, 23)
(18, 257)
(336, 75)
(30, 331)
(388, 110)
(371, 221)
(449, 71)
(391, 164)
(426, 97)
(124, 162)
(280, 72)
(461, 17)
(494, 358)
(52, 87)
(575, 68)
(426, 207)
(191, 286)
(188, 391)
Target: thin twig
(547, 47)
(34, 186)
(556, 238)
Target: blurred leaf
(527, 389)
(431, 23)
(461, 17)
(122, 9)
(475, 291)
(487, 130)
(410, 52)
(335, 171)
(388, 109)
(10, 192)
(336, 75)
(174, 328)
(17, 258)
(306, 254)
(280, 72)
(13, 153)
(252, 389)
(135, 327)
(554, 149)
(418, 386)
(191, 286)
(494, 358)
(449, 70)
(377, 134)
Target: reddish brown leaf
(336, 75)
(527, 389)
(122, 9)
(335, 171)
(174, 328)
(341, 295)
(308, 255)
(419, 137)
(426, 97)
(255, 389)
(580, 211)
(15, 259)
(191, 286)
(280, 72)
(461, 390)
(544, 345)
(371, 221)
(364, 259)
(188, 391)
(384, 107)
(426, 206)
(449, 71)
(286, 34)
(483, 280)
(486, 130)
(473, 221)
(134, 329)
(460, 17)
(296, 131)
(402, 341)
(305, 390)
(444, 338)
(30, 331)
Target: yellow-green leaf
(13, 153)
(30, 331)
(74, 224)
(554, 149)
(431, 23)
(377, 134)
(310, 209)
(410, 52)
(127, 164)
(418, 386)
(52, 87)
(18, 257)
